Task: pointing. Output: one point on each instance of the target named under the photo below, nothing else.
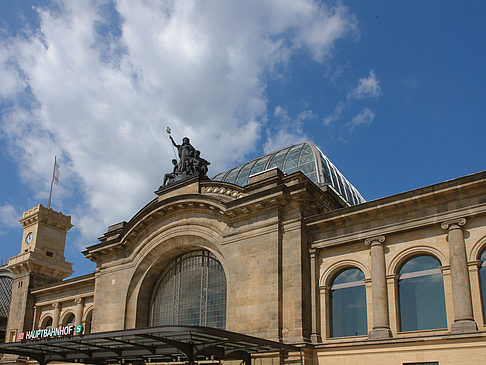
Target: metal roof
(156, 344)
(305, 157)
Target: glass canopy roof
(305, 157)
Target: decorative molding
(234, 193)
(373, 241)
(453, 224)
(409, 252)
(313, 252)
(326, 275)
(477, 249)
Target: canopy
(156, 344)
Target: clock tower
(40, 262)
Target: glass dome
(305, 157)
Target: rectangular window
(49, 254)
(422, 363)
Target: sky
(393, 92)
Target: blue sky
(394, 93)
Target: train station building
(279, 260)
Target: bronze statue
(173, 174)
(190, 163)
(186, 151)
(199, 165)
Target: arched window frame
(66, 316)
(482, 281)
(88, 321)
(175, 265)
(328, 270)
(331, 305)
(398, 265)
(44, 322)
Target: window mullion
(177, 287)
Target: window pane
(306, 155)
(422, 304)
(259, 165)
(242, 178)
(348, 276)
(348, 304)
(277, 160)
(232, 175)
(419, 263)
(348, 312)
(292, 158)
(482, 279)
(325, 170)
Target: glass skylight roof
(305, 157)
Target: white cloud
(365, 117)
(9, 216)
(368, 87)
(98, 93)
(336, 114)
(286, 131)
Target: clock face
(28, 238)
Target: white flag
(57, 172)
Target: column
(381, 322)
(79, 311)
(315, 333)
(461, 287)
(34, 318)
(56, 314)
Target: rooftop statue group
(190, 163)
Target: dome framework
(305, 157)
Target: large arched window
(191, 291)
(421, 293)
(348, 304)
(482, 280)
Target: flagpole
(52, 181)
(168, 130)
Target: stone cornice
(66, 284)
(33, 262)
(397, 227)
(420, 195)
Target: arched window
(191, 291)
(348, 304)
(46, 323)
(87, 323)
(421, 293)
(5, 293)
(482, 280)
(68, 320)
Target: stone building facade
(286, 258)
